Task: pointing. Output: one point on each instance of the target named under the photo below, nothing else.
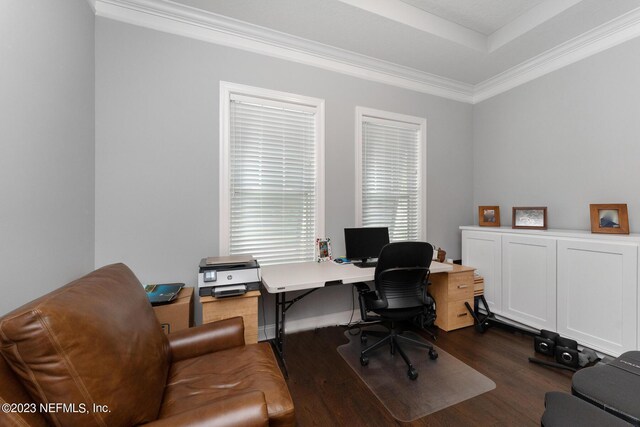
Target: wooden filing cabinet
(246, 306)
(450, 291)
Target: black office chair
(400, 294)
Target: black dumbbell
(567, 352)
(545, 343)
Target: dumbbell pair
(563, 349)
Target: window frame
(227, 90)
(411, 121)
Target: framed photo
(609, 218)
(529, 217)
(323, 249)
(489, 216)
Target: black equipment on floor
(613, 387)
(562, 409)
(564, 350)
(545, 343)
(482, 321)
(605, 394)
(400, 281)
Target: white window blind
(392, 188)
(273, 179)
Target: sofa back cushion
(92, 350)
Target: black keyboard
(366, 264)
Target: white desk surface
(309, 275)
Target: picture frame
(489, 216)
(529, 217)
(323, 249)
(610, 218)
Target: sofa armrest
(246, 409)
(207, 338)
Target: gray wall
(157, 119)
(564, 141)
(47, 148)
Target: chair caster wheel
(363, 339)
(364, 360)
(413, 373)
(433, 355)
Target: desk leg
(278, 342)
(282, 305)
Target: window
(390, 173)
(271, 174)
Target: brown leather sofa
(93, 354)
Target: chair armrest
(368, 300)
(207, 338)
(362, 287)
(246, 409)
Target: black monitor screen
(364, 243)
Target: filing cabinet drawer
(457, 314)
(460, 286)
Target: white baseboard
(309, 323)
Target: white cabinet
(529, 280)
(583, 286)
(597, 294)
(482, 250)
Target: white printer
(228, 276)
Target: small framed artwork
(489, 216)
(528, 217)
(323, 249)
(609, 218)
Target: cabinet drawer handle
(463, 286)
(462, 314)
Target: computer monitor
(365, 243)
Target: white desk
(311, 276)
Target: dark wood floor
(326, 392)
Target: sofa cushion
(204, 379)
(95, 341)
(21, 411)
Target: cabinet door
(597, 294)
(482, 250)
(529, 280)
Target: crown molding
(186, 21)
(603, 37)
(174, 18)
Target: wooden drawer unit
(457, 315)
(451, 290)
(214, 309)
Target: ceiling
(484, 16)
(471, 48)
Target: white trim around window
(235, 92)
(401, 121)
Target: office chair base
(413, 373)
(393, 338)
